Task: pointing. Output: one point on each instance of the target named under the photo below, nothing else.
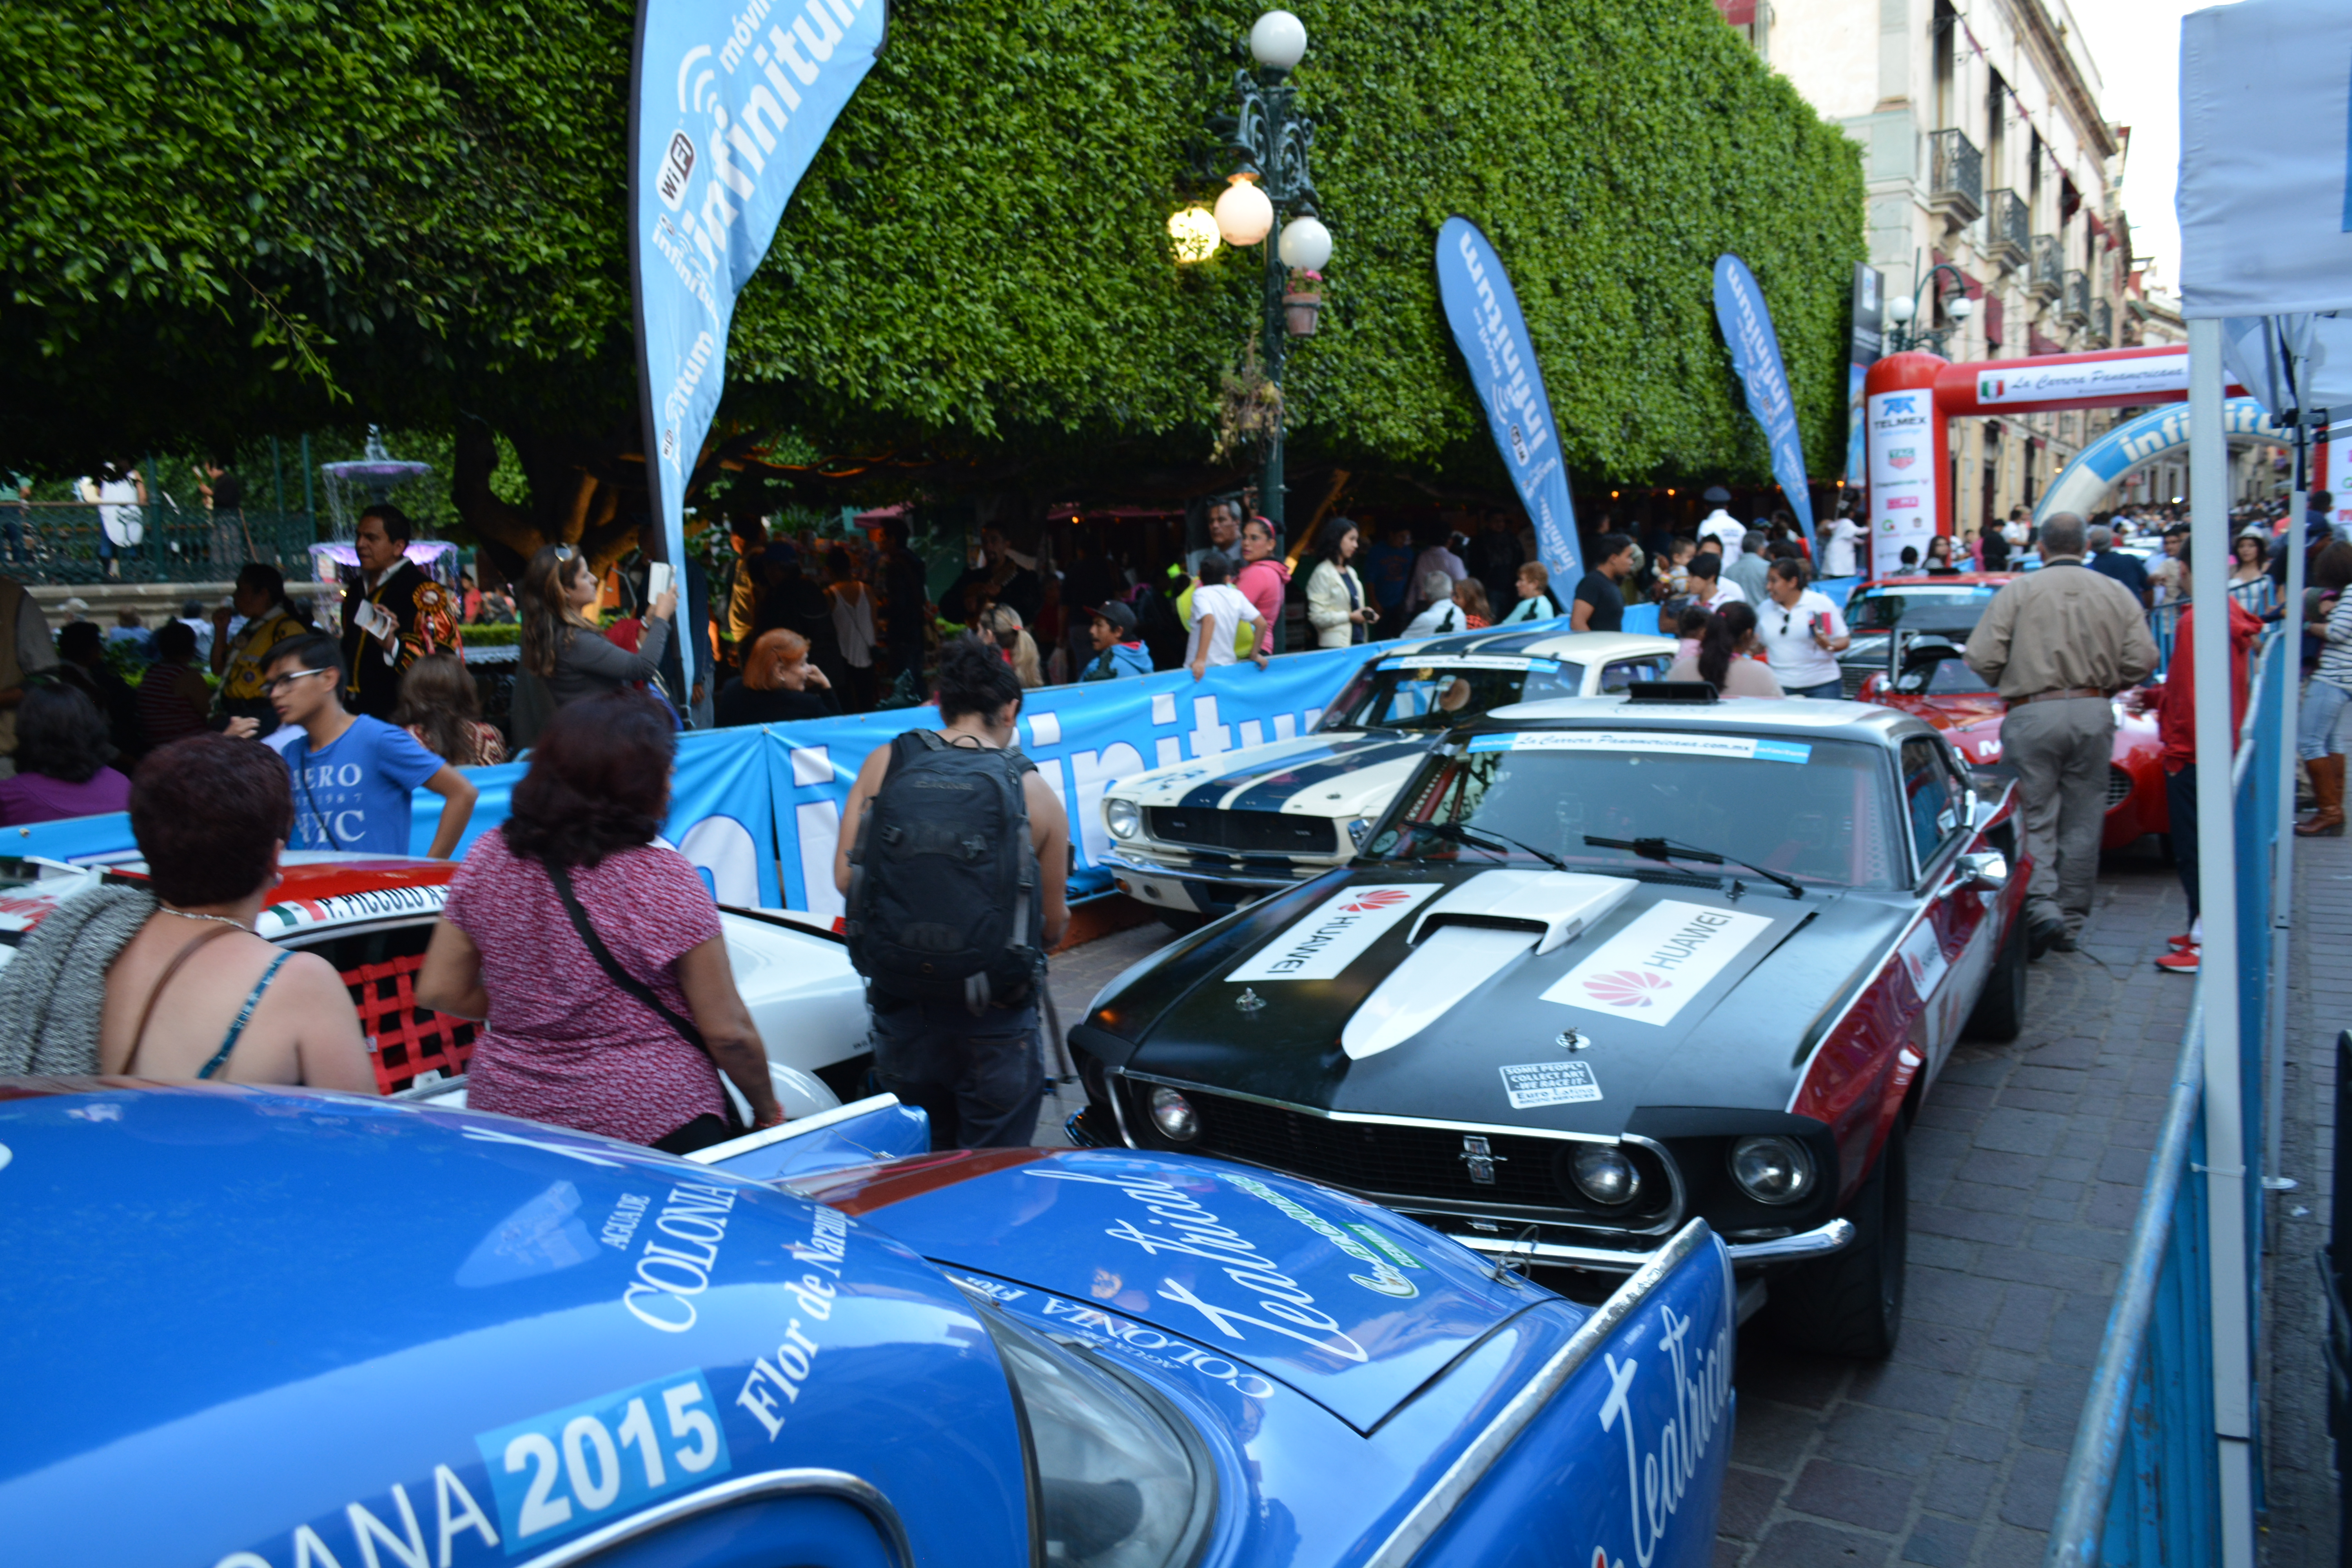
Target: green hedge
(422, 199)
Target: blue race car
(282, 1329)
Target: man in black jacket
(393, 616)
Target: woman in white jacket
(1336, 606)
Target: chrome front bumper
(1816, 1243)
(1259, 880)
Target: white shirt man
(1721, 524)
(1217, 609)
(1837, 555)
(1801, 631)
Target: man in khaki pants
(2058, 644)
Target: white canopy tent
(2266, 206)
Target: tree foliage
(250, 217)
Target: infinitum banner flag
(1747, 323)
(730, 100)
(1484, 312)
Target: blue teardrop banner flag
(1484, 312)
(1747, 324)
(728, 102)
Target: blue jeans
(978, 1079)
(2323, 705)
(1827, 692)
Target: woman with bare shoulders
(169, 981)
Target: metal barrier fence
(2145, 1482)
(47, 543)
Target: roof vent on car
(1670, 691)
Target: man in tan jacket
(2058, 644)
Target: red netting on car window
(404, 1039)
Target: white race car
(1203, 838)
(369, 917)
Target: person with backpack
(954, 857)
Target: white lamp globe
(1899, 309)
(1192, 233)
(1306, 244)
(1958, 307)
(1279, 40)
(1243, 214)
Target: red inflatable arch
(1910, 400)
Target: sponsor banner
(1902, 476)
(1650, 972)
(1484, 311)
(1335, 935)
(2084, 483)
(1539, 1084)
(2152, 375)
(1474, 661)
(1864, 344)
(730, 100)
(1741, 747)
(1747, 323)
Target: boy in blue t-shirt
(352, 774)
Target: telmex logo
(1905, 403)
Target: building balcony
(2074, 303)
(2103, 324)
(1955, 176)
(2009, 230)
(2045, 275)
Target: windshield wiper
(1668, 849)
(1481, 838)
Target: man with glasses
(352, 774)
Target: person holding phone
(559, 592)
(1802, 633)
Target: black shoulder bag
(627, 982)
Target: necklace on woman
(191, 915)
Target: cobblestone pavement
(2026, 1166)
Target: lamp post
(1274, 140)
(1901, 311)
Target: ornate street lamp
(1274, 140)
(1902, 312)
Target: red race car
(1917, 628)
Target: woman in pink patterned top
(567, 1042)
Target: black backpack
(945, 902)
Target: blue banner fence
(2142, 1485)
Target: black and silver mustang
(1605, 966)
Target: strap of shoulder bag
(627, 982)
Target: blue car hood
(1347, 1304)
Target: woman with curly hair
(594, 955)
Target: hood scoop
(1464, 939)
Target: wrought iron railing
(2074, 308)
(1954, 174)
(2008, 228)
(2048, 266)
(75, 544)
(2103, 324)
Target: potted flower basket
(1302, 303)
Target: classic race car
(1201, 838)
(1918, 628)
(1609, 964)
(369, 917)
(283, 1329)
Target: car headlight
(1602, 1173)
(1358, 830)
(1118, 1480)
(1174, 1116)
(1122, 817)
(1772, 1170)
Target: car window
(1619, 673)
(1931, 795)
(1398, 694)
(1915, 605)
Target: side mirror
(1986, 871)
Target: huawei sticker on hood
(1650, 971)
(1335, 935)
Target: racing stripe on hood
(1210, 793)
(1273, 791)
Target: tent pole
(2216, 878)
(2283, 852)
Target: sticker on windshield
(1744, 748)
(1473, 662)
(1650, 971)
(1335, 935)
(1550, 1083)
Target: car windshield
(1437, 694)
(1813, 810)
(1939, 670)
(1886, 608)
